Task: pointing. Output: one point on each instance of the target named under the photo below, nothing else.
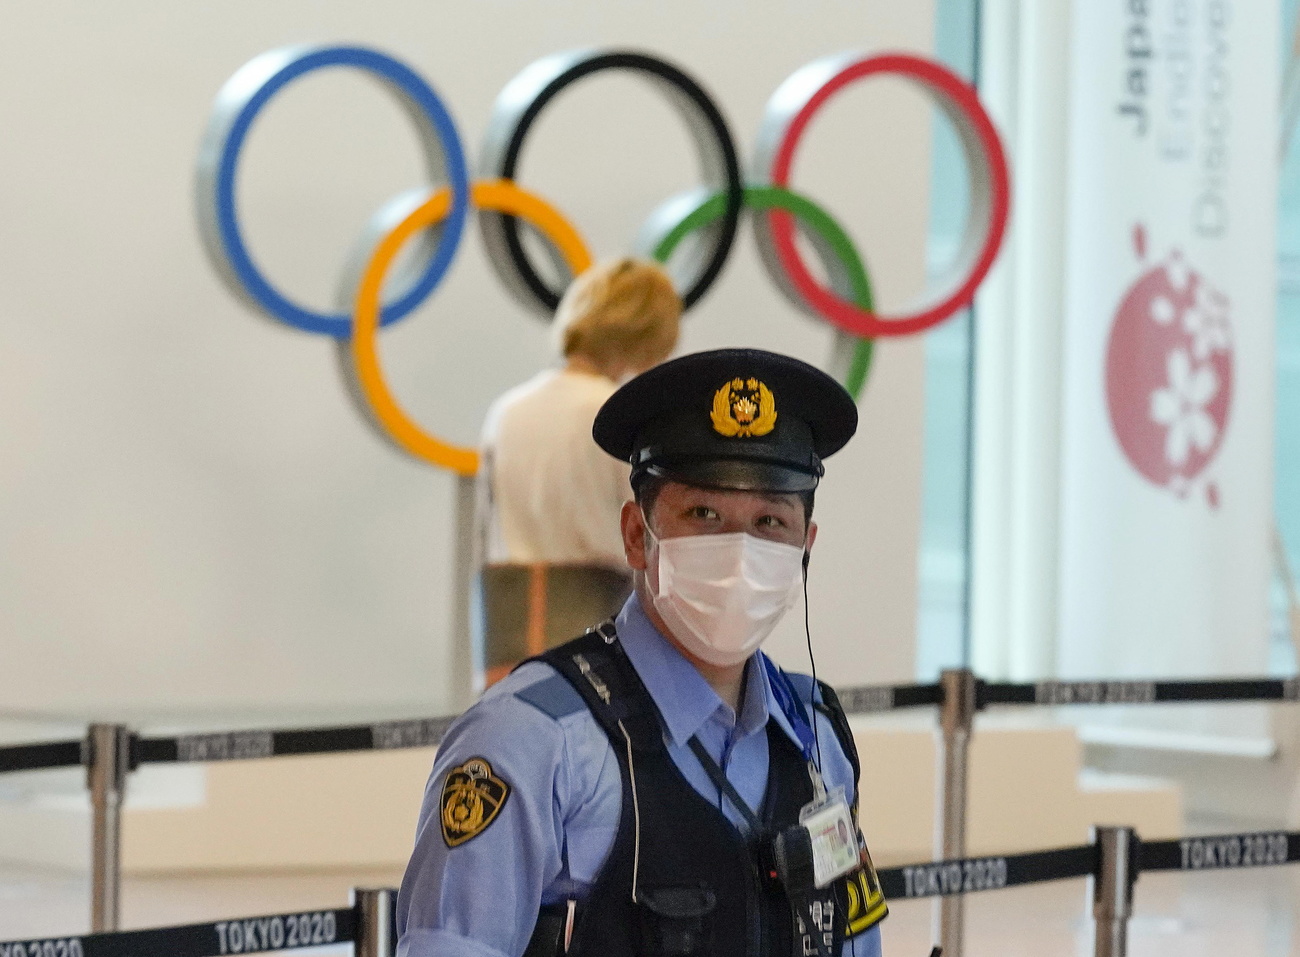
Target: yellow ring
(501, 196)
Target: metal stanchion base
(1112, 889)
(376, 910)
(107, 757)
(957, 720)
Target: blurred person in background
(549, 499)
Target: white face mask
(721, 595)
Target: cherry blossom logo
(1169, 372)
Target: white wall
(192, 517)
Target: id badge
(834, 838)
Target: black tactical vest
(703, 889)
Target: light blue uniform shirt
(556, 827)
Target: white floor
(1241, 914)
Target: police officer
(658, 786)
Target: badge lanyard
(797, 714)
(827, 815)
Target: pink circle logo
(1169, 372)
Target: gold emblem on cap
(743, 408)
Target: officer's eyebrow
(781, 498)
(788, 499)
(705, 494)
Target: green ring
(820, 222)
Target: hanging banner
(1166, 495)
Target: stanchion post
(107, 758)
(1112, 889)
(957, 719)
(376, 910)
(467, 662)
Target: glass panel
(941, 619)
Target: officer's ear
(808, 543)
(632, 523)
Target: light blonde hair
(619, 314)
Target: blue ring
(420, 95)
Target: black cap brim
(731, 475)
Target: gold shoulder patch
(743, 408)
(472, 797)
(866, 905)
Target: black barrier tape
(1220, 852)
(973, 874)
(35, 757)
(1253, 689)
(1138, 692)
(247, 745)
(423, 733)
(887, 697)
(428, 732)
(252, 935)
(245, 935)
(382, 736)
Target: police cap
(731, 418)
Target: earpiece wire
(812, 664)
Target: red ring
(944, 83)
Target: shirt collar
(683, 697)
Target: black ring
(698, 98)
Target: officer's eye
(703, 513)
(770, 521)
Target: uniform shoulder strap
(830, 706)
(599, 670)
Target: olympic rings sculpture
(436, 216)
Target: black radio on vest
(681, 880)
